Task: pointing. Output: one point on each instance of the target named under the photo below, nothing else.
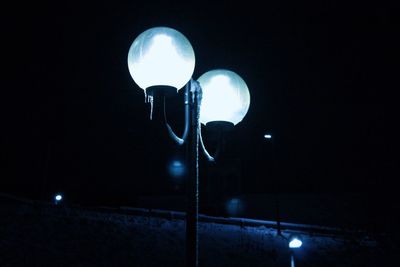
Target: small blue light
(234, 206)
(295, 243)
(176, 168)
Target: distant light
(58, 198)
(295, 243)
(267, 136)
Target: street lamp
(267, 136)
(294, 244)
(58, 198)
(161, 61)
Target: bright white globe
(225, 97)
(295, 243)
(161, 56)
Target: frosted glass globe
(161, 56)
(225, 97)
(295, 243)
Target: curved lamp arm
(178, 140)
(208, 156)
(220, 129)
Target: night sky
(320, 78)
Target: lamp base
(220, 126)
(161, 91)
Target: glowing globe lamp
(226, 97)
(58, 198)
(161, 56)
(295, 243)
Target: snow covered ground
(39, 234)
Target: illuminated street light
(58, 198)
(161, 61)
(267, 136)
(161, 56)
(225, 97)
(294, 244)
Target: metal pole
(292, 259)
(277, 189)
(193, 181)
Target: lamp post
(161, 61)
(294, 244)
(270, 139)
(58, 198)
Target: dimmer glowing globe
(225, 97)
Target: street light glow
(57, 198)
(226, 97)
(267, 136)
(295, 243)
(176, 168)
(161, 56)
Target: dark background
(320, 74)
